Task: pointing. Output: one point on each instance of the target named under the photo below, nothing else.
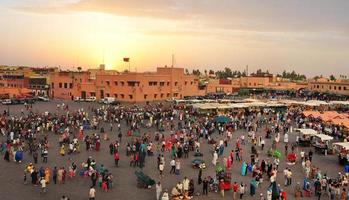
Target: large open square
(124, 179)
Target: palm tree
(79, 69)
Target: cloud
(251, 15)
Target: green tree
(332, 78)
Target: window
(60, 85)
(339, 88)
(162, 95)
(145, 96)
(122, 83)
(70, 85)
(53, 85)
(65, 85)
(317, 86)
(185, 83)
(168, 95)
(116, 95)
(162, 83)
(131, 83)
(108, 83)
(92, 94)
(152, 83)
(344, 88)
(108, 95)
(131, 96)
(175, 94)
(155, 95)
(330, 87)
(335, 87)
(191, 82)
(168, 83)
(116, 83)
(122, 96)
(322, 87)
(176, 83)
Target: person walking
(173, 166)
(204, 186)
(92, 193)
(158, 190)
(43, 185)
(161, 169)
(35, 157)
(44, 155)
(54, 175)
(241, 190)
(235, 190)
(116, 158)
(178, 167)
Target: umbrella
(222, 119)
(277, 154)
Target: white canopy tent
(307, 131)
(324, 137)
(339, 103)
(344, 145)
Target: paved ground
(11, 174)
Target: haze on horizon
(310, 37)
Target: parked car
(91, 99)
(42, 98)
(6, 101)
(108, 100)
(78, 99)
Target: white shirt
(43, 183)
(92, 193)
(172, 162)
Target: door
(102, 94)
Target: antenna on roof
(103, 56)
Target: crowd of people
(173, 133)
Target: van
(6, 101)
(108, 100)
(77, 99)
(91, 99)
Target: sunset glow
(202, 34)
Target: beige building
(325, 85)
(253, 82)
(165, 83)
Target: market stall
(343, 149)
(306, 136)
(321, 143)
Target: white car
(6, 101)
(91, 99)
(78, 99)
(43, 98)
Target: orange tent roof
(14, 91)
(341, 122)
(308, 113)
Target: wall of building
(339, 87)
(215, 86)
(165, 83)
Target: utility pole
(172, 61)
(247, 75)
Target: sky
(308, 36)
